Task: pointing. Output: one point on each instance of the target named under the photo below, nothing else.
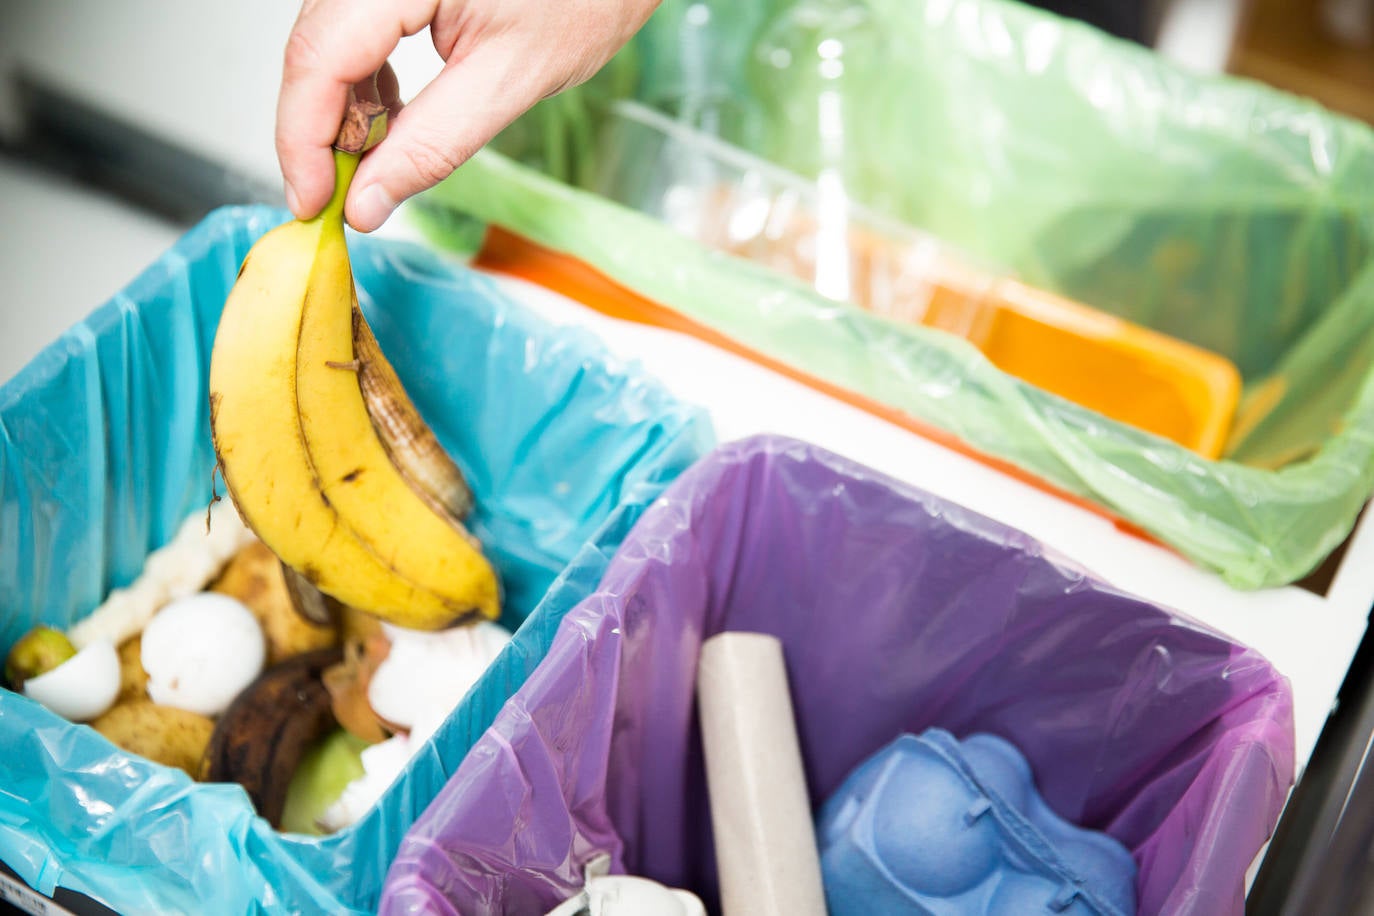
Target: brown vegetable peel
(347, 683)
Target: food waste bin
(105, 449)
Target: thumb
(466, 105)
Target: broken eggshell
(82, 687)
(419, 680)
(202, 651)
(426, 673)
(382, 763)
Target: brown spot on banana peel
(352, 475)
(406, 438)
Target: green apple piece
(325, 770)
(37, 652)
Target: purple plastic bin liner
(932, 826)
(898, 611)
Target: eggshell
(82, 687)
(201, 651)
(426, 674)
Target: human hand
(501, 56)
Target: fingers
(389, 90)
(499, 64)
(454, 116)
(334, 45)
(383, 88)
(365, 89)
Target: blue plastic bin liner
(104, 450)
(934, 826)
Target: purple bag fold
(897, 611)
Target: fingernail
(373, 207)
(292, 201)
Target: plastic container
(897, 611)
(105, 449)
(730, 200)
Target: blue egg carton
(933, 825)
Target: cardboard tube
(760, 812)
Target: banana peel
(409, 442)
(262, 737)
(324, 456)
(359, 511)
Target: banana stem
(345, 167)
(364, 126)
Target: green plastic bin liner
(104, 450)
(1210, 208)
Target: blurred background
(123, 124)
